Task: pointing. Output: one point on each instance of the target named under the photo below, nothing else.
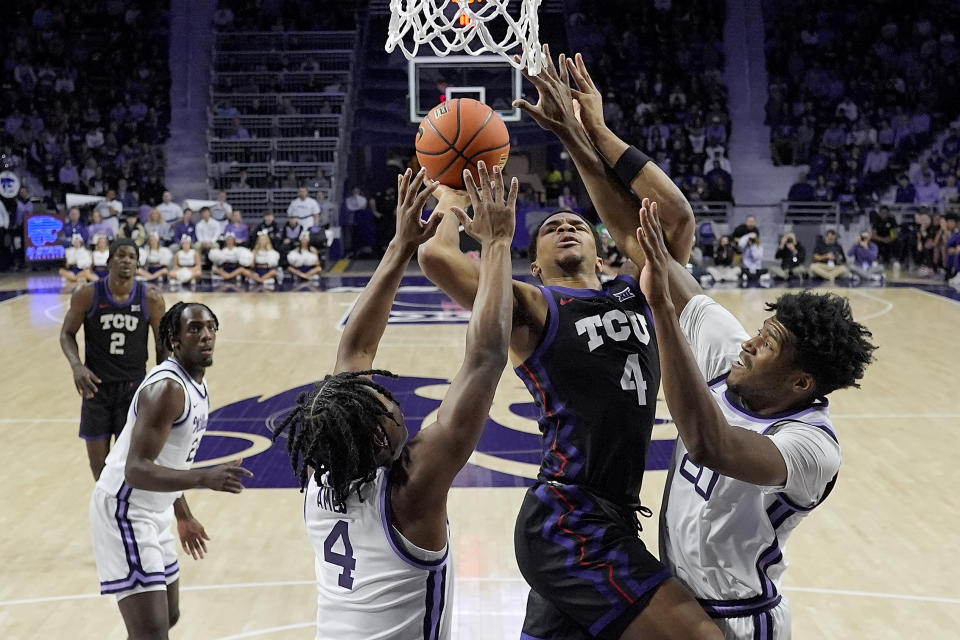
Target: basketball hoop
(470, 26)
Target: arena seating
(278, 100)
(859, 91)
(660, 65)
(77, 87)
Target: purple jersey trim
(720, 379)
(731, 401)
(396, 545)
(434, 602)
(201, 389)
(133, 294)
(576, 293)
(527, 636)
(136, 575)
(739, 608)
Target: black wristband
(630, 164)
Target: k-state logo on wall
(507, 456)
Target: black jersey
(115, 334)
(595, 377)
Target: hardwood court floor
(876, 561)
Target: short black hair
(336, 429)
(170, 322)
(122, 242)
(535, 233)
(828, 343)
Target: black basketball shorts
(105, 413)
(589, 572)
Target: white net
(470, 26)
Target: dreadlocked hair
(170, 322)
(336, 429)
(829, 344)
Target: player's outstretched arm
(710, 440)
(158, 407)
(439, 451)
(650, 181)
(84, 380)
(368, 319)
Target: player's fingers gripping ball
(456, 135)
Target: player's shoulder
(83, 295)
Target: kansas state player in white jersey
(141, 487)
(757, 451)
(375, 504)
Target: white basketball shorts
(134, 547)
(771, 625)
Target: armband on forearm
(630, 164)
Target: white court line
(290, 583)
(882, 312)
(263, 632)
(935, 295)
(58, 318)
(873, 416)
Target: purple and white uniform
(133, 544)
(726, 539)
(372, 583)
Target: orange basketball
(457, 134)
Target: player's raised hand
(588, 101)
(494, 218)
(412, 231)
(85, 380)
(225, 477)
(192, 537)
(654, 280)
(554, 108)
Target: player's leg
(96, 427)
(97, 451)
(145, 615)
(671, 614)
(582, 556)
(173, 603)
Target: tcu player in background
(141, 488)
(376, 504)
(115, 313)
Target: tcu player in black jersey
(115, 313)
(587, 352)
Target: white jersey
(726, 539)
(373, 584)
(187, 258)
(181, 445)
(100, 259)
(79, 257)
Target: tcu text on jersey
(123, 321)
(616, 325)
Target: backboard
(487, 78)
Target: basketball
(458, 134)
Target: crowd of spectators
(660, 66)
(85, 106)
(857, 91)
(285, 15)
